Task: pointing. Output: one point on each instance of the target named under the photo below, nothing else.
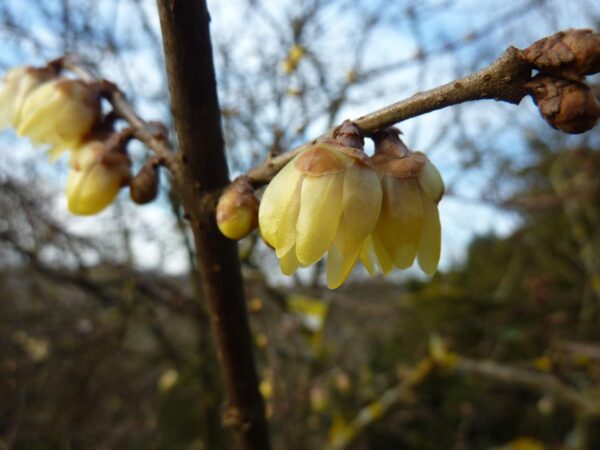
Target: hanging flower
(18, 84)
(326, 200)
(409, 225)
(60, 113)
(97, 174)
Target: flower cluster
(332, 199)
(64, 114)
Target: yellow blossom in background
(409, 225)
(18, 83)
(36, 349)
(168, 379)
(293, 58)
(326, 200)
(526, 443)
(59, 113)
(266, 389)
(95, 178)
(319, 399)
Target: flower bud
(569, 54)
(568, 106)
(408, 226)
(143, 188)
(97, 174)
(18, 84)
(60, 113)
(325, 201)
(237, 210)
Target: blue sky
(253, 40)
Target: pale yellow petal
(383, 258)
(431, 181)
(274, 201)
(341, 259)
(361, 204)
(286, 235)
(430, 243)
(367, 256)
(288, 263)
(319, 217)
(401, 218)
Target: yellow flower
(96, 177)
(59, 113)
(18, 84)
(409, 224)
(237, 210)
(326, 200)
(290, 63)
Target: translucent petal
(286, 233)
(319, 217)
(367, 256)
(431, 235)
(431, 181)
(400, 221)
(38, 117)
(361, 205)
(288, 263)
(341, 261)
(274, 201)
(383, 258)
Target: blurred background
(104, 338)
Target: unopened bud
(349, 134)
(388, 142)
(237, 210)
(143, 188)
(97, 174)
(570, 54)
(568, 106)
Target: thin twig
(153, 134)
(503, 80)
(402, 393)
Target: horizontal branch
(402, 393)
(546, 384)
(503, 80)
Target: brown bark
(202, 171)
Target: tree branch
(503, 80)
(402, 393)
(202, 171)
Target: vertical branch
(202, 170)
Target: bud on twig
(570, 54)
(143, 188)
(349, 134)
(569, 106)
(237, 210)
(388, 142)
